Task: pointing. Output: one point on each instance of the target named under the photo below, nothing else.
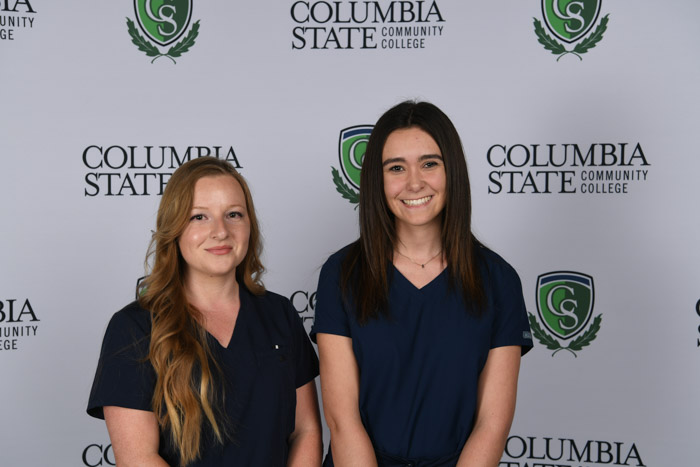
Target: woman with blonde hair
(207, 368)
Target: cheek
(183, 246)
(242, 234)
(188, 240)
(390, 188)
(246, 236)
(438, 182)
(443, 180)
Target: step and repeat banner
(579, 120)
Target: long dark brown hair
(364, 270)
(185, 395)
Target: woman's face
(215, 240)
(414, 178)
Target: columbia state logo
(351, 152)
(570, 21)
(565, 306)
(163, 22)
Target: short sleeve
(331, 316)
(124, 376)
(306, 359)
(511, 325)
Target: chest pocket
(275, 366)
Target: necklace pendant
(423, 266)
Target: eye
(431, 164)
(197, 217)
(395, 168)
(235, 215)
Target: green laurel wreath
(557, 48)
(152, 51)
(547, 41)
(576, 345)
(591, 41)
(342, 188)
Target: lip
(219, 250)
(417, 202)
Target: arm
(305, 442)
(495, 406)
(340, 388)
(135, 437)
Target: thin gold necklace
(416, 262)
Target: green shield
(352, 147)
(163, 21)
(570, 20)
(565, 302)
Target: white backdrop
(72, 81)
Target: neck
(211, 293)
(420, 243)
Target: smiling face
(215, 240)
(414, 178)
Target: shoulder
(268, 299)
(273, 314)
(132, 316)
(495, 268)
(270, 305)
(337, 258)
(128, 334)
(130, 324)
(336, 262)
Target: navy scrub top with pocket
(268, 358)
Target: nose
(218, 229)
(415, 179)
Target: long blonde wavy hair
(185, 396)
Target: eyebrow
(422, 158)
(227, 207)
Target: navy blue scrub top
(420, 367)
(268, 358)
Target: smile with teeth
(416, 202)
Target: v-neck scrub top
(268, 358)
(419, 367)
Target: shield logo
(565, 302)
(352, 147)
(570, 20)
(163, 21)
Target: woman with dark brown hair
(420, 327)
(207, 368)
